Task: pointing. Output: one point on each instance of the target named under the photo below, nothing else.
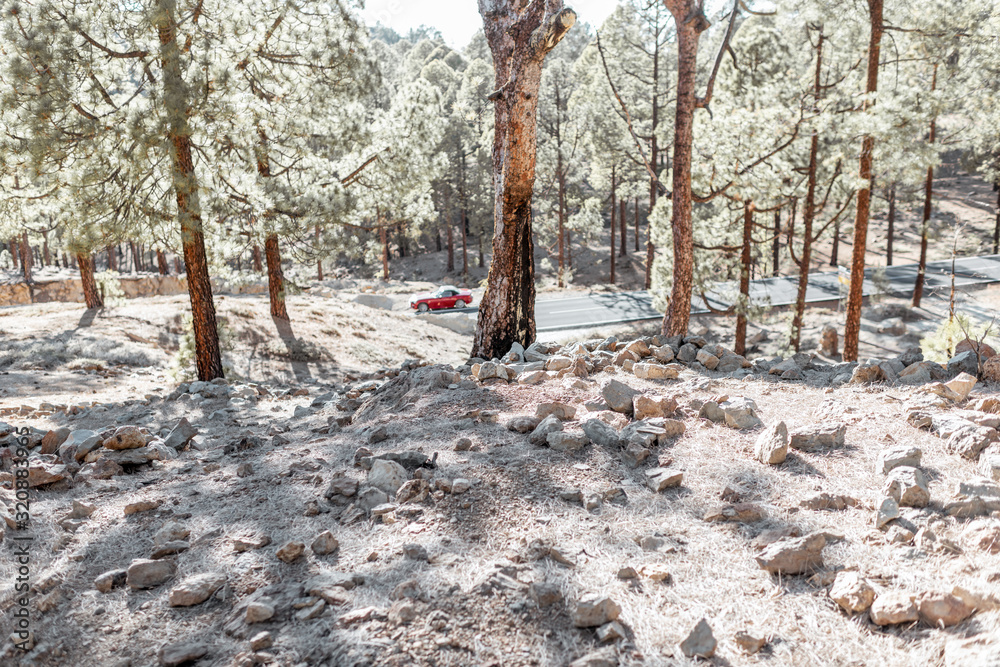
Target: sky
(458, 20)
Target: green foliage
(183, 367)
(940, 345)
(110, 287)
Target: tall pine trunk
(15, 251)
(275, 278)
(809, 210)
(918, 287)
(319, 259)
(636, 224)
(996, 227)
(258, 262)
(26, 259)
(161, 262)
(465, 246)
(208, 355)
(776, 245)
(891, 232)
(85, 262)
(740, 346)
(614, 213)
(690, 22)
(519, 37)
(562, 221)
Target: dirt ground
(262, 465)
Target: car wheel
(422, 308)
(459, 303)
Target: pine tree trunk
(135, 257)
(740, 346)
(26, 259)
(622, 220)
(319, 260)
(384, 236)
(208, 355)
(178, 268)
(275, 278)
(112, 264)
(809, 211)
(519, 37)
(852, 328)
(569, 249)
(776, 245)
(835, 249)
(562, 222)
(161, 261)
(636, 224)
(15, 251)
(451, 245)
(46, 257)
(258, 262)
(996, 227)
(465, 246)
(91, 296)
(614, 214)
(918, 287)
(690, 22)
(892, 225)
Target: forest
(183, 139)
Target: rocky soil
(644, 501)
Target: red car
(448, 296)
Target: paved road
(596, 309)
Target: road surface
(597, 309)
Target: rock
(989, 464)
(53, 439)
(897, 456)
(942, 610)
(566, 441)
(539, 436)
(966, 345)
(181, 434)
(180, 653)
(888, 510)
(661, 479)
(324, 544)
(258, 612)
(828, 343)
(460, 485)
(991, 369)
(141, 506)
(387, 475)
(545, 594)
(490, 370)
(961, 386)
(610, 632)
(741, 413)
(970, 441)
(868, 372)
(81, 510)
(169, 548)
(606, 657)
(522, 424)
(824, 435)
(828, 501)
(291, 552)
(144, 573)
(241, 544)
(558, 363)
(561, 411)
(748, 643)
(920, 372)
(964, 362)
(648, 371)
(244, 469)
(908, 487)
(111, 579)
(893, 608)
(196, 589)
(170, 532)
(852, 592)
(663, 353)
(706, 359)
(341, 486)
(711, 411)
(601, 434)
(644, 407)
(793, 555)
(261, 641)
(771, 446)
(125, 437)
(738, 513)
(592, 610)
(700, 642)
(687, 353)
(462, 445)
(41, 473)
(402, 612)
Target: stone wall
(71, 290)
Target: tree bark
(519, 38)
(450, 268)
(319, 259)
(91, 296)
(385, 251)
(996, 227)
(465, 246)
(161, 261)
(561, 198)
(258, 263)
(852, 328)
(275, 278)
(809, 210)
(208, 355)
(918, 287)
(636, 224)
(15, 251)
(892, 225)
(776, 245)
(691, 22)
(740, 347)
(26, 258)
(623, 224)
(614, 209)
(46, 257)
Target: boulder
(887, 511)
(893, 608)
(539, 436)
(700, 642)
(989, 463)
(618, 396)
(601, 434)
(144, 573)
(852, 592)
(648, 371)
(180, 435)
(592, 610)
(908, 487)
(387, 475)
(182, 653)
(196, 589)
(896, 456)
(661, 479)
(53, 439)
(566, 441)
(793, 555)
(707, 359)
(687, 353)
(522, 424)
(125, 437)
(942, 610)
(562, 411)
(645, 406)
(824, 435)
(964, 362)
(771, 446)
(741, 413)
